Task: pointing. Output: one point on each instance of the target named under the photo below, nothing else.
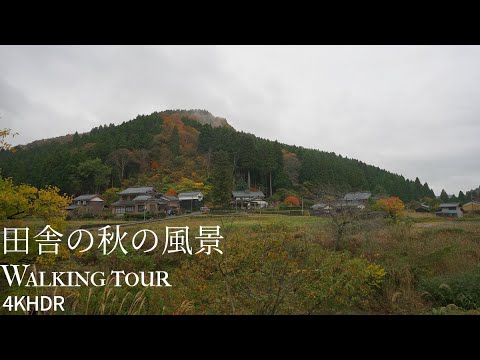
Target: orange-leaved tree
(292, 200)
(171, 191)
(392, 206)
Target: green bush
(141, 216)
(462, 290)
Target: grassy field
(277, 264)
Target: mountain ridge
(173, 149)
(204, 117)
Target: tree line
(157, 148)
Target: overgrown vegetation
(274, 264)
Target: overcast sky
(413, 110)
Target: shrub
(462, 290)
(141, 216)
(273, 270)
(292, 201)
(392, 206)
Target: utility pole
(144, 212)
(302, 206)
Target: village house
(248, 199)
(321, 208)
(135, 200)
(87, 204)
(357, 198)
(450, 210)
(422, 208)
(471, 207)
(171, 202)
(190, 200)
(352, 200)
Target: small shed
(191, 200)
(422, 208)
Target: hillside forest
(181, 150)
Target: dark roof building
(422, 208)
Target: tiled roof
(445, 211)
(84, 197)
(171, 197)
(123, 203)
(248, 194)
(143, 198)
(189, 193)
(357, 196)
(423, 206)
(137, 190)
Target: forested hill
(176, 150)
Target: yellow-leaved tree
(40, 206)
(4, 144)
(21, 201)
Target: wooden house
(136, 200)
(87, 204)
(357, 197)
(422, 208)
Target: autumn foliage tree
(20, 201)
(292, 201)
(392, 206)
(171, 192)
(4, 144)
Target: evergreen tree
(444, 196)
(222, 179)
(418, 189)
(380, 191)
(137, 147)
(461, 197)
(76, 138)
(241, 185)
(174, 142)
(93, 175)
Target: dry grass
(423, 248)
